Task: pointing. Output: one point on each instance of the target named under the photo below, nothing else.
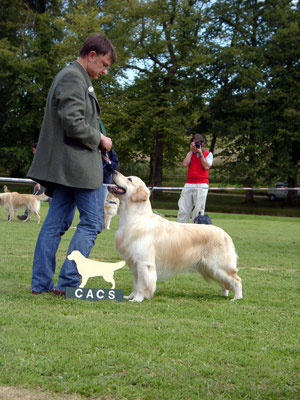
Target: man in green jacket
(68, 163)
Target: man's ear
(141, 194)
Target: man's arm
(187, 160)
(70, 95)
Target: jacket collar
(87, 79)
(86, 76)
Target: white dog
(90, 268)
(12, 201)
(152, 245)
(110, 209)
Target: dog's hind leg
(11, 213)
(237, 287)
(109, 277)
(37, 216)
(229, 281)
(29, 214)
(224, 291)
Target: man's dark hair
(99, 44)
(34, 145)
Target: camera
(198, 144)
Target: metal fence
(24, 181)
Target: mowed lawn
(186, 343)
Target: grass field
(186, 343)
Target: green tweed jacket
(68, 147)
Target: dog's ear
(141, 194)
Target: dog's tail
(41, 197)
(119, 265)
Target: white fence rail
(24, 181)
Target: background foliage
(226, 68)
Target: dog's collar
(111, 202)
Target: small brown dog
(12, 201)
(110, 209)
(6, 190)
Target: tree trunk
(157, 161)
(292, 194)
(249, 193)
(213, 143)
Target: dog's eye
(130, 179)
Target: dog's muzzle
(115, 189)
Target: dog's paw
(225, 292)
(237, 298)
(138, 298)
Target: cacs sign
(94, 294)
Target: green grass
(186, 343)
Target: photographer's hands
(194, 149)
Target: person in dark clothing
(110, 163)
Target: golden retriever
(110, 209)
(12, 201)
(90, 268)
(152, 245)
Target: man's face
(98, 64)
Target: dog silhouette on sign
(90, 268)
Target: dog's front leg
(84, 281)
(135, 278)
(146, 282)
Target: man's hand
(105, 143)
(200, 151)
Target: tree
(164, 46)
(38, 39)
(28, 61)
(282, 109)
(237, 40)
(251, 42)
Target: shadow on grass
(161, 294)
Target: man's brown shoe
(59, 292)
(21, 217)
